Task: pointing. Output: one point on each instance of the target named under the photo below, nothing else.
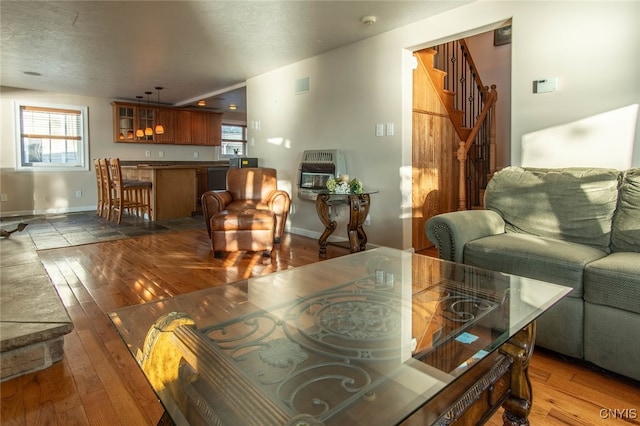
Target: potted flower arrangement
(343, 185)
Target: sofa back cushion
(572, 204)
(625, 235)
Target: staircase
(471, 108)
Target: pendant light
(139, 131)
(159, 127)
(148, 131)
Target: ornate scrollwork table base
(358, 211)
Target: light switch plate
(389, 129)
(379, 129)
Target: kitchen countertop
(174, 164)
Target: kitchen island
(173, 191)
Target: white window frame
(243, 141)
(82, 154)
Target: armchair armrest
(279, 203)
(450, 232)
(212, 203)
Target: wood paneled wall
(434, 164)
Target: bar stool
(131, 195)
(105, 186)
(100, 208)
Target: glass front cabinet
(125, 118)
(130, 123)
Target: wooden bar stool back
(132, 196)
(104, 190)
(101, 206)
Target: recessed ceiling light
(233, 106)
(202, 103)
(369, 20)
(36, 74)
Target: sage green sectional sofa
(577, 227)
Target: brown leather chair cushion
(240, 220)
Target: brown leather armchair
(250, 215)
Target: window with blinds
(234, 140)
(52, 137)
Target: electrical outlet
(367, 220)
(161, 154)
(196, 155)
(3, 197)
(78, 194)
(147, 153)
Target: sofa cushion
(625, 235)
(546, 259)
(614, 281)
(612, 339)
(573, 204)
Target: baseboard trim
(5, 214)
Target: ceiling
(193, 49)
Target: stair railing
(476, 166)
(476, 128)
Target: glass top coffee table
(376, 337)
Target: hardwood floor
(99, 383)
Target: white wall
(349, 94)
(50, 192)
(590, 46)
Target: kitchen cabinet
(166, 117)
(146, 120)
(198, 128)
(214, 130)
(124, 118)
(128, 119)
(181, 126)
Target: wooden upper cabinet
(146, 120)
(181, 126)
(124, 119)
(166, 117)
(199, 128)
(206, 128)
(214, 134)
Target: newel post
(462, 184)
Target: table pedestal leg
(322, 207)
(358, 210)
(518, 405)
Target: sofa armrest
(212, 203)
(450, 232)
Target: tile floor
(70, 229)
